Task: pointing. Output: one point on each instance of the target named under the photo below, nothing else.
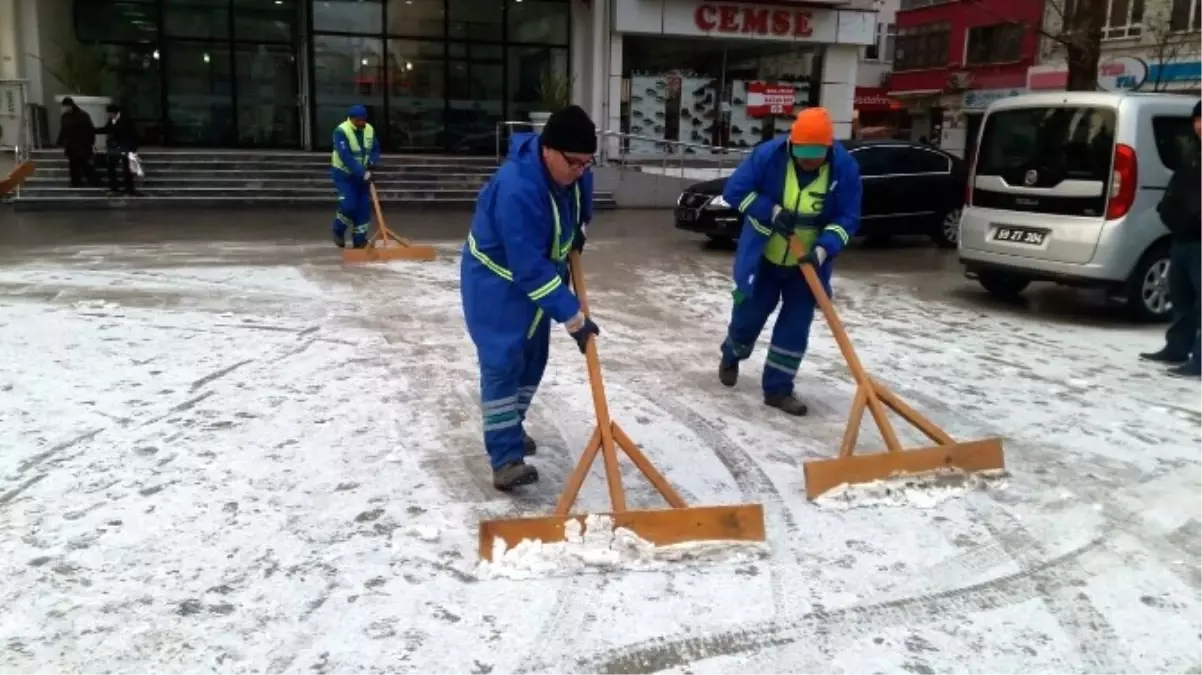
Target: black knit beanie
(570, 130)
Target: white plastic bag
(135, 165)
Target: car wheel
(947, 231)
(1003, 284)
(1148, 288)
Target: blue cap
(357, 112)
(808, 151)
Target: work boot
(1185, 370)
(528, 445)
(340, 240)
(513, 474)
(786, 402)
(728, 373)
(1165, 356)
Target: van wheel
(1002, 284)
(1148, 288)
(946, 232)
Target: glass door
(476, 96)
(200, 97)
(268, 115)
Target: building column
(838, 92)
(613, 94)
(10, 43)
(581, 54)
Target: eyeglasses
(576, 163)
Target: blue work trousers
(354, 208)
(508, 382)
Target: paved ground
(243, 456)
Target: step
(302, 159)
(168, 181)
(105, 202)
(326, 193)
(398, 173)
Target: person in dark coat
(76, 137)
(1181, 212)
(121, 140)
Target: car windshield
(1071, 142)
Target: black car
(909, 188)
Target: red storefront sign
(752, 20)
(765, 99)
(875, 99)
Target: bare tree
(1170, 41)
(1073, 27)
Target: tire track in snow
(667, 652)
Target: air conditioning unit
(958, 80)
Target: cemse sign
(752, 20)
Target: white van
(1064, 187)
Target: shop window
(108, 21)
(348, 16)
(347, 70)
(526, 68)
(417, 18)
(998, 43)
(476, 19)
(132, 78)
(416, 94)
(197, 18)
(200, 98)
(1185, 16)
(476, 93)
(922, 47)
(257, 21)
(539, 21)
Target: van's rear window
(1058, 142)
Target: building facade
(437, 76)
(876, 115)
(1154, 45)
(954, 57)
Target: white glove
(819, 255)
(575, 323)
(366, 175)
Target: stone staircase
(240, 179)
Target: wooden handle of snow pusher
(863, 381)
(617, 495)
(382, 231)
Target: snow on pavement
(248, 467)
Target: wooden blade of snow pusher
(822, 475)
(384, 244)
(678, 524)
(18, 175)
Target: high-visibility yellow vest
(559, 253)
(807, 202)
(361, 152)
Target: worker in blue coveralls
(356, 153)
(806, 186)
(514, 279)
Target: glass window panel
(416, 95)
(197, 18)
(539, 21)
(98, 20)
(347, 71)
(474, 51)
(348, 16)
(526, 68)
(268, 112)
(419, 18)
(477, 103)
(132, 77)
(200, 106)
(266, 20)
(477, 19)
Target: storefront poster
(764, 99)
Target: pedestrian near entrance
(76, 136)
(120, 139)
(356, 153)
(807, 186)
(514, 277)
(1181, 211)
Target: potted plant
(554, 93)
(81, 69)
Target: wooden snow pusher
(822, 475)
(384, 244)
(18, 175)
(680, 523)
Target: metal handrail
(625, 159)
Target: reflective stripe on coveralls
(559, 253)
(361, 153)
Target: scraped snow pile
(599, 546)
(923, 491)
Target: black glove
(784, 222)
(815, 257)
(581, 335)
(579, 238)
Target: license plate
(1019, 235)
(686, 215)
